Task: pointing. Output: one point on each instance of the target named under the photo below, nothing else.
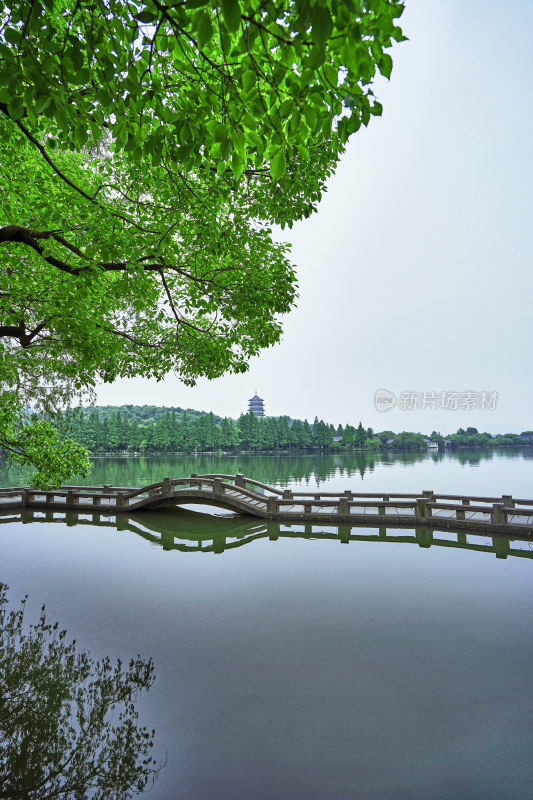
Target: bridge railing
(259, 498)
(240, 481)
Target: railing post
(239, 480)
(343, 507)
(498, 515)
(465, 501)
(272, 505)
(121, 500)
(218, 486)
(422, 511)
(107, 489)
(508, 501)
(24, 498)
(460, 513)
(307, 508)
(382, 510)
(428, 494)
(166, 486)
(348, 494)
(287, 494)
(72, 497)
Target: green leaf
(278, 166)
(41, 103)
(220, 132)
(249, 80)
(250, 122)
(310, 116)
(316, 57)
(6, 95)
(16, 108)
(226, 148)
(12, 35)
(231, 12)
(237, 165)
(204, 28)
(146, 16)
(322, 25)
(81, 135)
(385, 65)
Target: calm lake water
(291, 664)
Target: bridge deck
(246, 496)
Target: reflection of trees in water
(274, 468)
(68, 724)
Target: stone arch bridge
(244, 495)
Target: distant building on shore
(256, 405)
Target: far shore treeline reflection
(153, 429)
(271, 468)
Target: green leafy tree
(228, 434)
(409, 441)
(322, 435)
(68, 724)
(360, 436)
(29, 440)
(348, 436)
(145, 151)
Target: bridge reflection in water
(193, 532)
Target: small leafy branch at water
(68, 724)
(33, 440)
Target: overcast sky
(415, 274)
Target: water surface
(292, 664)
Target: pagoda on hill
(255, 404)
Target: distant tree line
(471, 437)
(160, 430)
(152, 429)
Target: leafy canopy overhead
(145, 151)
(206, 84)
